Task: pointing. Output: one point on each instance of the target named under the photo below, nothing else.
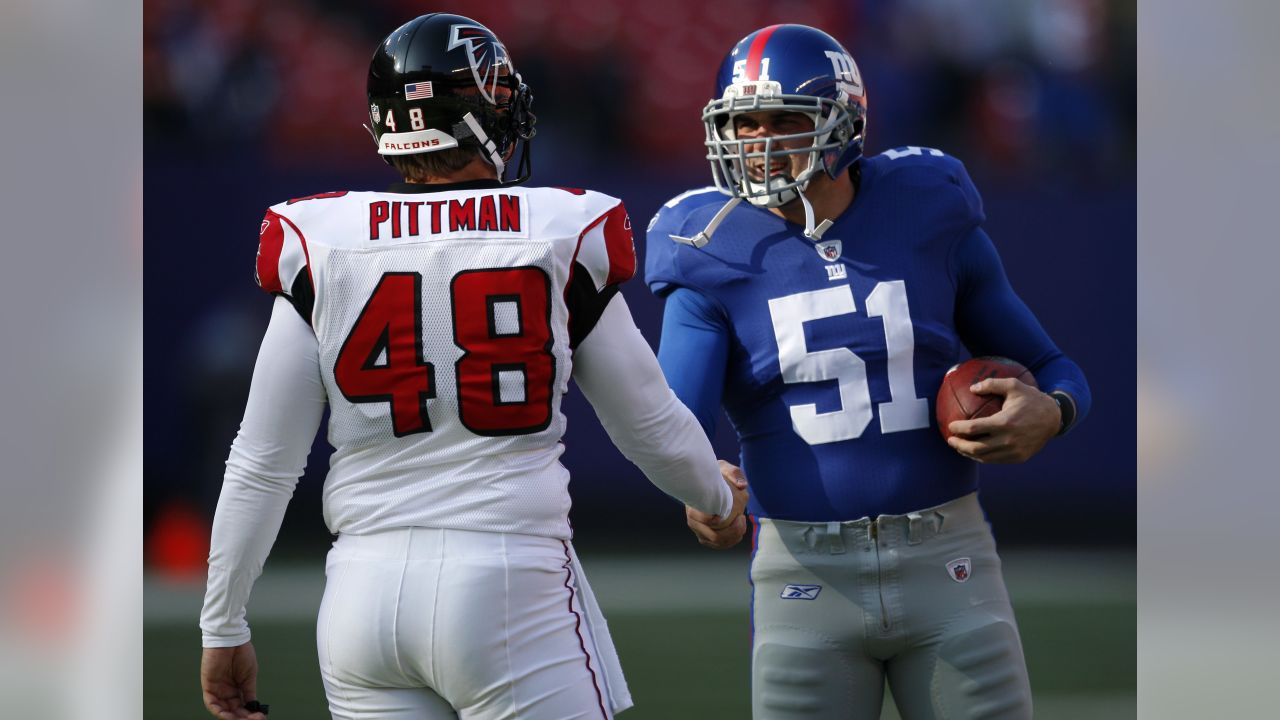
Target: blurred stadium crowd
(249, 102)
(1022, 85)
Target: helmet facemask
(497, 127)
(834, 129)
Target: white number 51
(904, 411)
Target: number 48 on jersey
(502, 323)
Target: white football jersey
(446, 322)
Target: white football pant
(427, 623)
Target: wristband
(1067, 407)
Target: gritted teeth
(756, 169)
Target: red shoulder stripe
(620, 245)
(270, 243)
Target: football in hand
(956, 402)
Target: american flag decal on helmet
(485, 55)
(418, 91)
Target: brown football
(955, 402)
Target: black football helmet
(442, 81)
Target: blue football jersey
(833, 352)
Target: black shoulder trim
(586, 305)
(301, 295)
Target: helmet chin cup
(780, 191)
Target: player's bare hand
(723, 533)
(229, 680)
(1028, 419)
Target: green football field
(681, 628)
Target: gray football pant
(917, 599)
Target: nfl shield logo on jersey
(829, 250)
(959, 569)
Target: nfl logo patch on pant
(960, 569)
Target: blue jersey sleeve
(694, 352)
(992, 320)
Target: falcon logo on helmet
(487, 57)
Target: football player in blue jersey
(822, 314)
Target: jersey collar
(404, 187)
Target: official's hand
(714, 531)
(229, 679)
(1014, 434)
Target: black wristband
(1067, 407)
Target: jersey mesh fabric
(450, 476)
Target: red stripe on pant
(582, 642)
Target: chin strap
(701, 239)
(704, 237)
(488, 145)
(811, 232)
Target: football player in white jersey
(441, 321)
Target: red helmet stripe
(756, 53)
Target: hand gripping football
(956, 402)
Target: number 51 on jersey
(888, 301)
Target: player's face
(770, 123)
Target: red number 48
(502, 324)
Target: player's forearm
(250, 511)
(673, 452)
(621, 379)
(993, 320)
(256, 490)
(1061, 374)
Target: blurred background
(247, 103)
